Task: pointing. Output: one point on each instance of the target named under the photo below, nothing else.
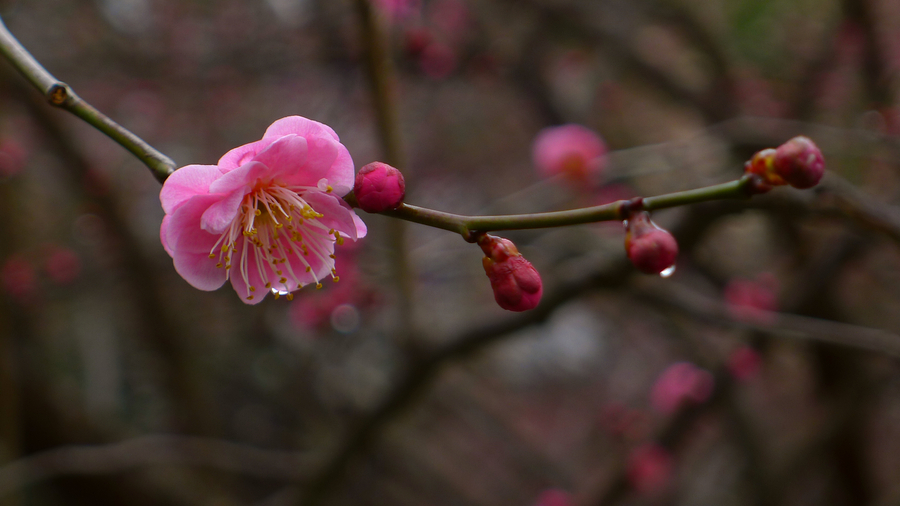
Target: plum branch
(60, 94)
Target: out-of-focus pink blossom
(397, 10)
(320, 309)
(752, 301)
(744, 363)
(516, 283)
(62, 265)
(437, 60)
(19, 279)
(680, 384)
(573, 151)
(799, 161)
(379, 187)
(649, 469)
(651, 249)
(415, 40)
(267, 217)
(12, 157)
(451, 19)
(554, 497)
(621, 421)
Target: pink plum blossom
(572, 150)
(267, 216)
(680, 384)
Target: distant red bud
(799, 161)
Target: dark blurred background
(764, 372)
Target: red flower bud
(651, 249)
(516, 283)
(799, 161)
(379, 187)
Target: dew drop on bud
(668, 271)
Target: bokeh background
(764, 372)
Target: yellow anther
(252, 288)
(282, 280)
(330, 232)
(250, 298)
(318, 285)
(289, 296)
(332, 256)
(308, 269)
(219, 265)
(277, 295)
(299, 285)
(268, 285)
(278, 272)
(227, 259)
(278, 225)
(257, 212)
(329, 189)
(336, 279)
(212, 255)
(339, 239)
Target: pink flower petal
(163, 230)
(301, 126)
(338, 214)
(242, 178)
(243, 154)
(253, 276)
(219, 216)
(186, 182)
(184, 232)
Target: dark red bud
(516, 283)
(651, 249)
(379, 187)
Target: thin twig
(60, 94)
(148, 451)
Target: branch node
(58, 94)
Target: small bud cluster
(516, 283)
(650, 248)
(798, 162)
(379, 187)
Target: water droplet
(668, 271)
(625, 224)
(345, 319)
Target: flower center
(279, 234)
